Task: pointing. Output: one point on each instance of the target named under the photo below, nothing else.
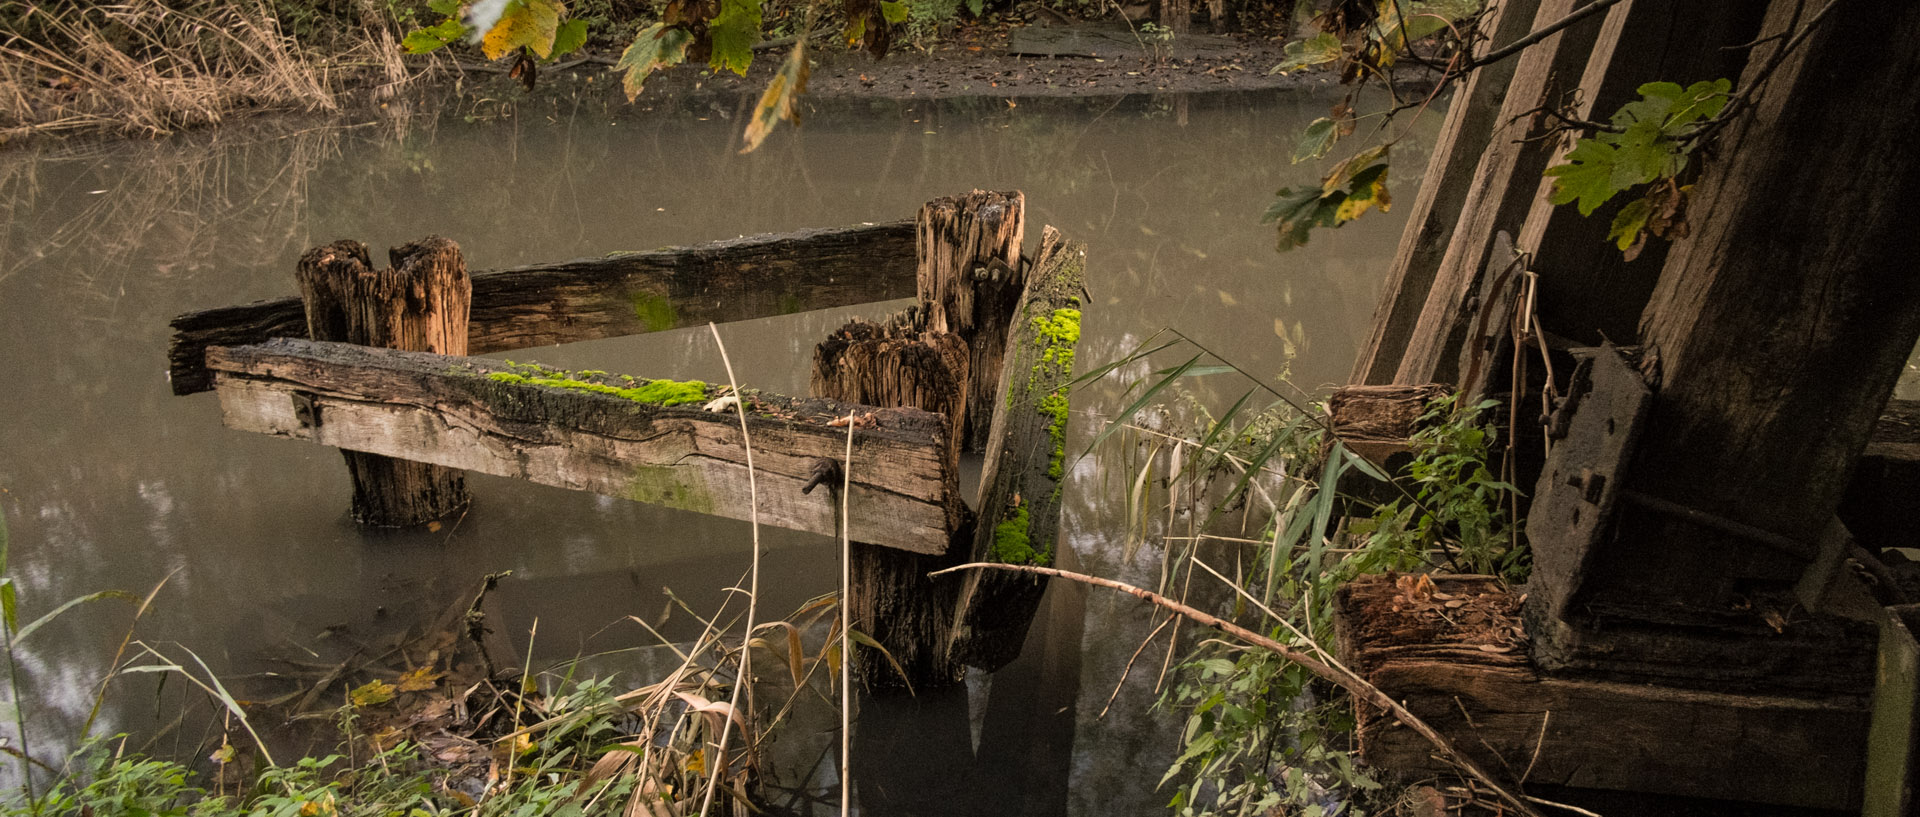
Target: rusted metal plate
(1593, 438)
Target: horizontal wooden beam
(497, 418)
(1453, 650)
(623, 294)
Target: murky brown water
(108, 481)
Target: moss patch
(653, 392)
(1057, 334)
(655, 312)
(1011, 543)
(660, 485)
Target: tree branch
(1546, 31)
(1341, 676)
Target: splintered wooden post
(900, 362)
(969, 281)
(1020, 485)
(420, 304)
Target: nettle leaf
(780, 100)
(655, 47)
(733, 32)
(532, 24)
(1318, 50)
(1316, 140)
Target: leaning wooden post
(901, 363)
(969, 280)
(419, 305)
(1020, 485)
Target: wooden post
(420, 304)
(1020, 485)
(1471, 117)
(1504, 185)
(969, 281)
(901, 362)
(1893, 742)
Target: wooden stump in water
(900, 363)
(420, 304)
(1020, 484)
(969, 282)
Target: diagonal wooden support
(578, 431)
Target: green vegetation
(655, 312)
(1058, 336)
(1011, 544)
(653, 392)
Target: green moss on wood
(653, 392)
(655, 312)
(1012, 543)
(662, 485)
(1057, 335)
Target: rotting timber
(913, 390)
(1701, 620)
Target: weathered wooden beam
(622, 294)
(1471, 117)
(1774, 338)
(1893, 756)
(419, 304)
(1025, 470)
(1453, 651)
(1503, 187)
(969, 280)
(577, 431)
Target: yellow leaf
(418, 679)
(372, 693)
(780, 101)
(531, 23)
(697, 762)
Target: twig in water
(1342, 677)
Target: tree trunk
(420, 304)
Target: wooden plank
(1471, 117)
(1464, 670)
(1893, 761)
(622, 294)
(1504, 184)
(1024, 474)
(459, 413)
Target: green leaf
(434, 38)
(9, 604)
(655, 47)
(37, 623)
(1586, 177)
(733, 33)
(779, 101)
(1316, 140)
(1299, 54)
(570, 37)
(446, 8)
(1629, 222)
(975, 6)
(896, 13)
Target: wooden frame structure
(373, 362)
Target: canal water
(107, 481)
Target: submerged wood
(622, 294)
(1021, 481)
(969, 280)
(1464, 669)
(469, 413)
(419, 304)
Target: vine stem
(1339, 675)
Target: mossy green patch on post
(1012, 545)
(652, 392)
(1057, 334)
(790, 304)
(655, 312)
(661, 485)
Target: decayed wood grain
(1504, 184)
(1475, 684)
(622, 294)
(419, 304)
(1450, 172)
(1020, 484)
(448, 411)
(969, 280)
(896, 362)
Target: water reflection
(110, 482)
